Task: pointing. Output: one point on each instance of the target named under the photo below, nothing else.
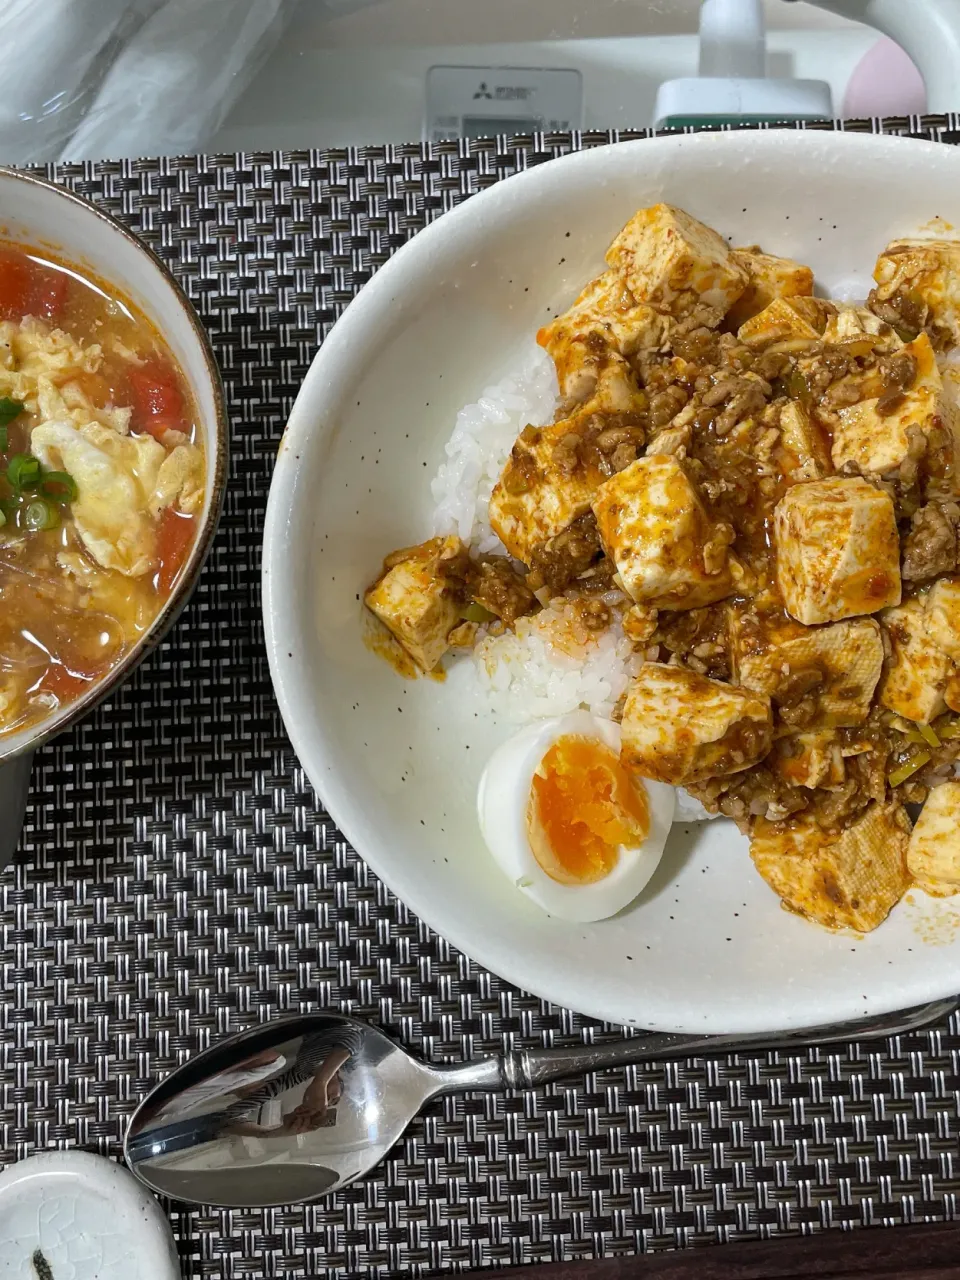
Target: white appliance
(403, 69)
(734, 82)
(92, 78)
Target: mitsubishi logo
(483, 92)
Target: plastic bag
(90, 79)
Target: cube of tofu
(841, 880)
(680, 728)
(920, 279)
(673, 262)
(770, 278)
(544, 487)
(838, 550)
(933, 857)
(844, 661)
(803, 452)
(951, 694)
(673, 441)
(415, 601)
(604, 322)
(787, 324)
(654, 527)
(878, 435)
(810, 760)
(860, 332)
(943, 629)
(916, 677)
(617, 389)
(943, 616)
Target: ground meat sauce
(696, 640)
(492, 583)
(559, 562)
(909, 316)
(726, 405)
(930, 547)
(719, 401)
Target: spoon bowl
(286, 1112)
(295, 1109)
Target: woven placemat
(178, 877)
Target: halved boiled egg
(567, 823)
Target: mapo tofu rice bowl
(690, 564)
(105, 478)
(728, 524)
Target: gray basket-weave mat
(178, 877)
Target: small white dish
(707, 946)
(85, 1217)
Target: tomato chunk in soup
(101, 482)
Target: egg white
(502, 800)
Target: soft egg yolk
(583, 807)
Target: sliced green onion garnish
(476, 613)
(3, 519)
(906, 333)
(23, 471)
(9, 409)
(41, 515)
(909, 768)
(58, 486)
(924, 735)
(4, 439)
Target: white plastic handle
(929, 30)
(733, 40)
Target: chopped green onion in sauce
(9, 409)
(23, 471)
(38, 494)
(476, 613)
(58, 486)
(40, 515)
(909, 768)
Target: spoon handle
(529, 1067)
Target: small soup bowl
(39, 215)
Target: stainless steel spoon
(295, 1109)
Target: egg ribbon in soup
(101, 482)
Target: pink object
(885, 83)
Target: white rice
(690, 810)
(480, 445)
(548, 666)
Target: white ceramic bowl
(707, 947)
